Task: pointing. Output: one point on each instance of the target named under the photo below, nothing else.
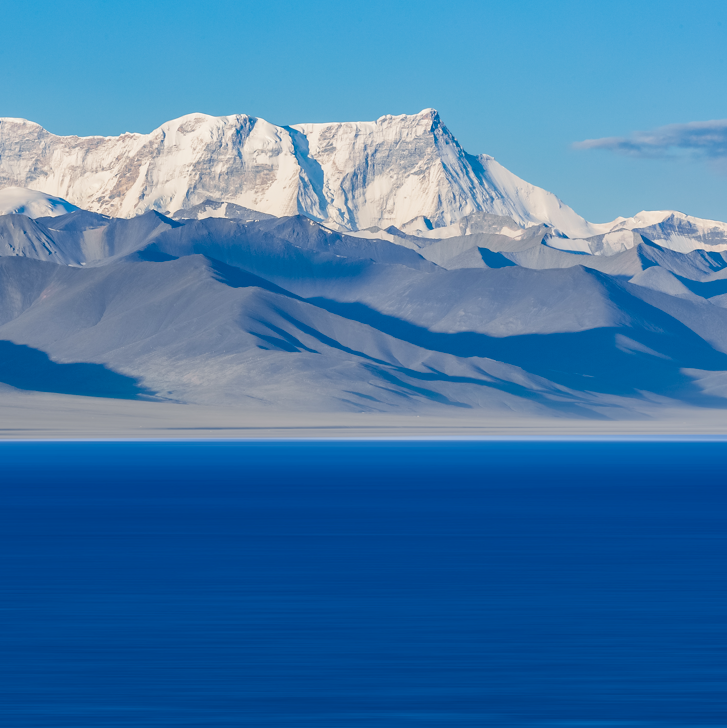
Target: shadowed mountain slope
(25, 368)
(288, 314)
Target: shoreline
(45, 416)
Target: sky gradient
(523, 81)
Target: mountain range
(357, 266)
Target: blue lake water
(363, 584)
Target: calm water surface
(363, 584)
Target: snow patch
(33, 203)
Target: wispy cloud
(700, 139)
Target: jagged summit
(407, 171)
(352, 174)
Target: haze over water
(363, 584)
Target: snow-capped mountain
(393, 171)
(405, 172)
(365, 267)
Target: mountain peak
(19, 121)
(353, 175)
(424, 113)
(432, 114)
(350, 175)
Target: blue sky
(522, 81)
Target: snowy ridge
(403, 172)
(669, 229)
(351, 175)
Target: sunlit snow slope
(32, 203)
(393, 171)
